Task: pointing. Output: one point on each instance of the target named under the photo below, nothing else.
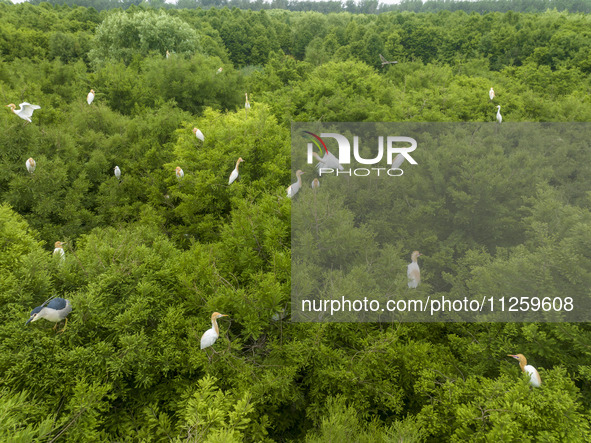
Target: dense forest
(149, 256)
(352, 6)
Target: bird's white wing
(26, 110)
(332, 162)
(414, 275)
(233, 176)
(289, 191)
(534, 376)
(199, 135)
(398, 160)
(208, 338)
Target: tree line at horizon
(351, 6)
(149, 257)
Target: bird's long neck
(214, 325)
(237, 164)
(300, 179)
(522, 364)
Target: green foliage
(122, 36)
(150, 257)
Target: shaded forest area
(149, 257)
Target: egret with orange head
(211, 335)
(234, 174)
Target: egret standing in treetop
(234, 174)
(246, 104)
(167, 54)
(220, 69)
(295, 187)
(25, 110)
(198, 134)
(491, 93)
(499, 116)
(534, 377)
(59, 250)
(413, 272)
(117, 172)
(211, 335)
(90, 97)
(56, 310)
(328, 161)
(31, 165)
(179, 173)
(398, 160)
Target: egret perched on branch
(491, 93)
(59, 250)
(117, 172)
(25, 111)
(90, 97)
(211, 335)
(246, 104)
(413, 272)
(220, 69)
(328, 161)
(295, 187)
(167, 54)
(179, 173)
(534, 377)
(198, 134)
(55, 310)
(499, 116)
(234, 174)
(315, 183)
(31, 165)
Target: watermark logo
(391, 150)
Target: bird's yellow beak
(511, 355)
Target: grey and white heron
(55, 310)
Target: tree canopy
(149, 257)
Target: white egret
(499, 116)
(25, 110)
(31, 165)
(246, 104)
(315, 183)
(90, 97)
(211, 335)
(295, 187)
(398, 160)
(59, 250)
(179, 173)
(491, 93)
(534, 377)
(220, 69)
(328, 161)
(117, 172)
(198, 134)
(234, 174)
(167, 54)
(413, 272)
